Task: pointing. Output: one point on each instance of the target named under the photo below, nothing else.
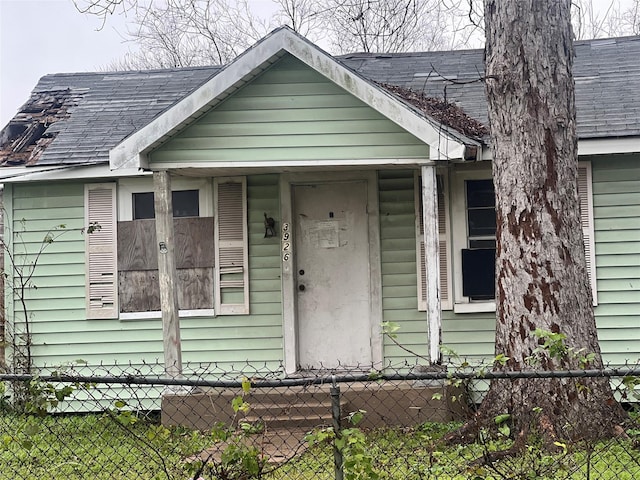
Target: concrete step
(301, 414)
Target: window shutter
(585, 196)
(231, 246)
(101, 251)
(443, 222)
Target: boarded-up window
(101, 251)
(231, 252)
(443, 222)
(138, 264)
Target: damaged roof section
(440, 110)
(96, 112)
(29, 133)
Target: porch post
(432, 258)
(167, 274)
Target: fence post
(335, 414)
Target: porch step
(300, 414)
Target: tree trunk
(541, 277)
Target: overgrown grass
(108, 447)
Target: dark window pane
(143, 206)
(473, 243)
(480, 193)
(185, 204)
(482, 222)
(479, 273)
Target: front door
(332, 275)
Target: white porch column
(432, 258)
(167, 274)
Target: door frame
(289, 307)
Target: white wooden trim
(361, 162)
(607, 146)
(290, 344)
(431, 241)
(131, 152)
(67, 172)
(459, 235)
(475, 307)
(289, 307)
(108, 265)
(157, 314)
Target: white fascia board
(131, 152)
(359, 162)
(604, 146)
(68, 172)
(594, 146)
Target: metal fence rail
(129, 422)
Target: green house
(279, 209)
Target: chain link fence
(130, 422)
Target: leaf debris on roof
(440, 110)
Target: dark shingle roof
(606, 72)
(98, 110)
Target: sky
(38, 37)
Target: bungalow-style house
(313, 198)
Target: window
(126, 282)
(478, 259)
(473, 231)
(186, 203)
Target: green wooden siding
(616, 204)
(399, 274)
(290, 113)
(61, 331)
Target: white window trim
(157, 314)
(128, 186)
(459, 239)
(458, 229)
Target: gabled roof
(131, 153)
(77, 118)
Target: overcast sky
(49, 36)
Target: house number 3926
(286, 242)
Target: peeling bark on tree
(541, 276)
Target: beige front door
(332, 275)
